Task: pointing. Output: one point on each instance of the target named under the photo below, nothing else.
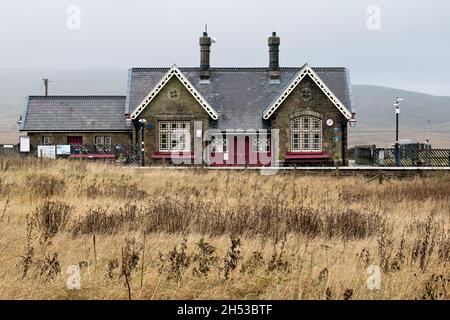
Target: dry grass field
(173, 234)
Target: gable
(239, 94)
(175, 72)
(174, 99)
(306, 71)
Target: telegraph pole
(397, 146)
(428, 132)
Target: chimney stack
(46, 86)
(274, 49)
(205, 44)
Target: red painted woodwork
(306, 155)
(74, 140)
(240, 156)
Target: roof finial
(206, 28)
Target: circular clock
(330, 122)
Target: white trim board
(174, 71)
(304, 71)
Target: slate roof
(239, 95)
(74, 113)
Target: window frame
(306, 134)
(109, 143)
(46, 140)
(219, 144)
(180, 130)
(99, 138)
(260, 144)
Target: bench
(322, 157)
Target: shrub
(44, 185)
(49, 267)
(175, 262)
(277, 262)
(26, 260)
(232, 257)
(204, 258)
(121, 190)
(129, 261)
(348, 294)
(51, 217)
(350, 224)
(253, 263)
(425, 243)
(104, 221)
(436, 288)
(113, 264)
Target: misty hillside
(376, 116)
(375, 107)
(375, 113)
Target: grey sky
(410, 51)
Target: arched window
(306, 134)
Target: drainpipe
(142, 123)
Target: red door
(240, 154)
(74, 140)
(246, 153)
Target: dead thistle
(277, 262)
(253, 263)
(232, 257)
(27, 258)
(348, 294)
(129, 261)
(175, 262)
(204, 258)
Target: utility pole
(428, 132)
(397, 146)
(46, 86)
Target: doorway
(74, 140)
(244, 151)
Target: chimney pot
(274, 50)
(205, 45)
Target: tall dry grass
(173, 234)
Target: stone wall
(173, 102)
(318, 105)
(88, 137)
